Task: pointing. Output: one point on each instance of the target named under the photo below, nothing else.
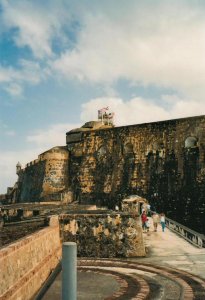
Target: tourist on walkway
(162, 221)
(155, 218)
(144, 220)
(148, 224)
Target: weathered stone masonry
(45, 178)
(103, 235)
(162, 161)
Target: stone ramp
(169, 249)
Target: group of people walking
(157, 219)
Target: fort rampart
(48, 175)
(162, 161)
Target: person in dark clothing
(144, 220)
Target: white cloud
(159, 43)
(13, 80)
(35, 24)
(14, 89)
(8, 163)
(134, 111)
(31, 72)
(7, 74)
(138, 110)
(181, 107)
(8, 176)
(55, 135)
(162, 44)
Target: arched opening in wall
(191, 188)
(191, 162)
(128, 169)
(128, 149)
(191, 142)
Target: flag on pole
(104, 109)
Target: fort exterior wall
(162, 161)
(26, 264)
(104, 235)
(45, 178)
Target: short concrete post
(69, 271)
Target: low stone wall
(103, 235)
(26, 264)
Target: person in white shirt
(162, 221)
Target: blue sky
(61, 61)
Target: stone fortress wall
(47, 175)
(162, 161)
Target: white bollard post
(69, 271)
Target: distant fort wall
(47, 175)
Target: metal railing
(195, 238)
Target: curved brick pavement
(169, 283)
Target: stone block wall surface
(103, 235)
(109, 155)
(46, 178)
(26, 264)
(161, 161)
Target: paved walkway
(91, 286)
(160, 275)
(169, 249)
